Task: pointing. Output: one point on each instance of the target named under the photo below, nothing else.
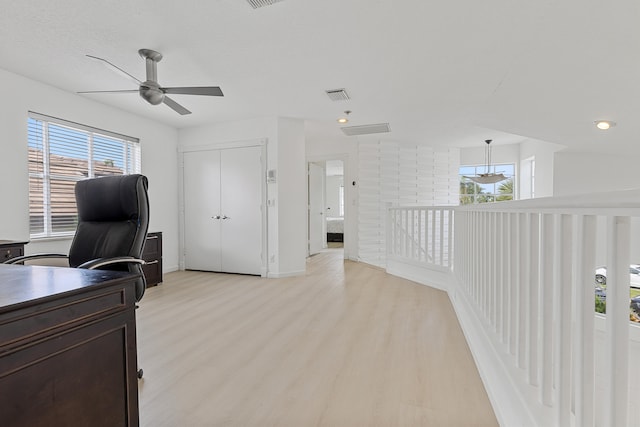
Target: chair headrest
(110, 198)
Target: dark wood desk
(11, 249)
(67, 347)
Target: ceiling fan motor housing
(151, 92)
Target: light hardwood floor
(346, 345)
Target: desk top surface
(21, 284)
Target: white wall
(577, 173)
(286, 227)
(543, 152)
(159, 158)
(392, 174)
(499, 154)
(292, 196)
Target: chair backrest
(113, 220)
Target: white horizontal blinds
(38, 201)
(393, 175)
(62, 153)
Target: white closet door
(241, 210)
(202, 210)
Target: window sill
(51, 238)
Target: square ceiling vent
(366, 129)
(261, 3)
(338, 94)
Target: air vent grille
(261, 3)
(366, 129)
(338, 95)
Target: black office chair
(113, 220)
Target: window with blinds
(62, 153)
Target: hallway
(345, 345)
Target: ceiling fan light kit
(488, 177)
(151, 91)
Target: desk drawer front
(9, 252)
(27, 325)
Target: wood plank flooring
(346, 345)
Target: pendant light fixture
(488, 177)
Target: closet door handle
(226, 217)
(216, 217)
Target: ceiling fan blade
(117, 69)
(204, 90)
(175, 106)
(110, 91)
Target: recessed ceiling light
(604, 124)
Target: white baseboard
(169, 268)
(423, 275)
(280, 275)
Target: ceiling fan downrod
(150, 89)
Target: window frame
(495, 194)
(131, 163)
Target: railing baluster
(495, 255)
(547, 277)
(564, 315)
(617, 357)
(433, 236)
(585, 300)
(483, 262)
(506, 277)
(441, 236)
(534, 292)
(523, 289)
(450, 240)
(513, 285)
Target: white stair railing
(523, 288)
(421, 235)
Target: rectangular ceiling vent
(261, 3)
(366, 129)
(338, 94)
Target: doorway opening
(326, 205)
(334, 191)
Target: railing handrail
(621, 202)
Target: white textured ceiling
(451, 72)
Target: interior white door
(316, 208)
(202, 210)
(241, 210)
(223, 210)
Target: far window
(62, 153)
(472, 192)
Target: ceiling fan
(150, 90)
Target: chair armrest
(101, 262)
(21, 259)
